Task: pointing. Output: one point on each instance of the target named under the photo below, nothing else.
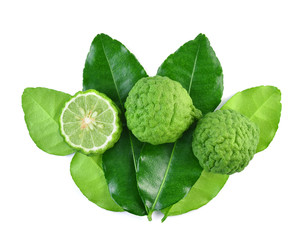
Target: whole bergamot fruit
(159, 110)
(225, 141)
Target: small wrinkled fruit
(225, 141)
(159, 110)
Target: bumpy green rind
(225, 141)
(115, 136)
(159, 110)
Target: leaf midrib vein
(163, 180)
(44, 110)
(194, 67)
(132, 150)
(252, 115)
(114, 82)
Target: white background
(45, 43)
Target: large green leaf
(42, 108)
(203, 191)
(88, 175)
(197, 68)
(167, 172)
(263, 106)
(110, 68)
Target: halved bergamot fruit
(90, 122)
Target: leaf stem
(149, 215)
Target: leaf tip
(102, 35)
(201, 36)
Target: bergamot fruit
(225, 141)
(90, 122)
(159, 110)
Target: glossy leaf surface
(119, 165)
(42, 108)
(197, 68)
(88, 175)
(203, 191)
(263, 106)
(111, 69)
(167, 172)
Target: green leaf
(42, 108)
(197, 68)
(110, 68)
(88, 175)
(263, 106)
(167, 172)
(203, 191)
